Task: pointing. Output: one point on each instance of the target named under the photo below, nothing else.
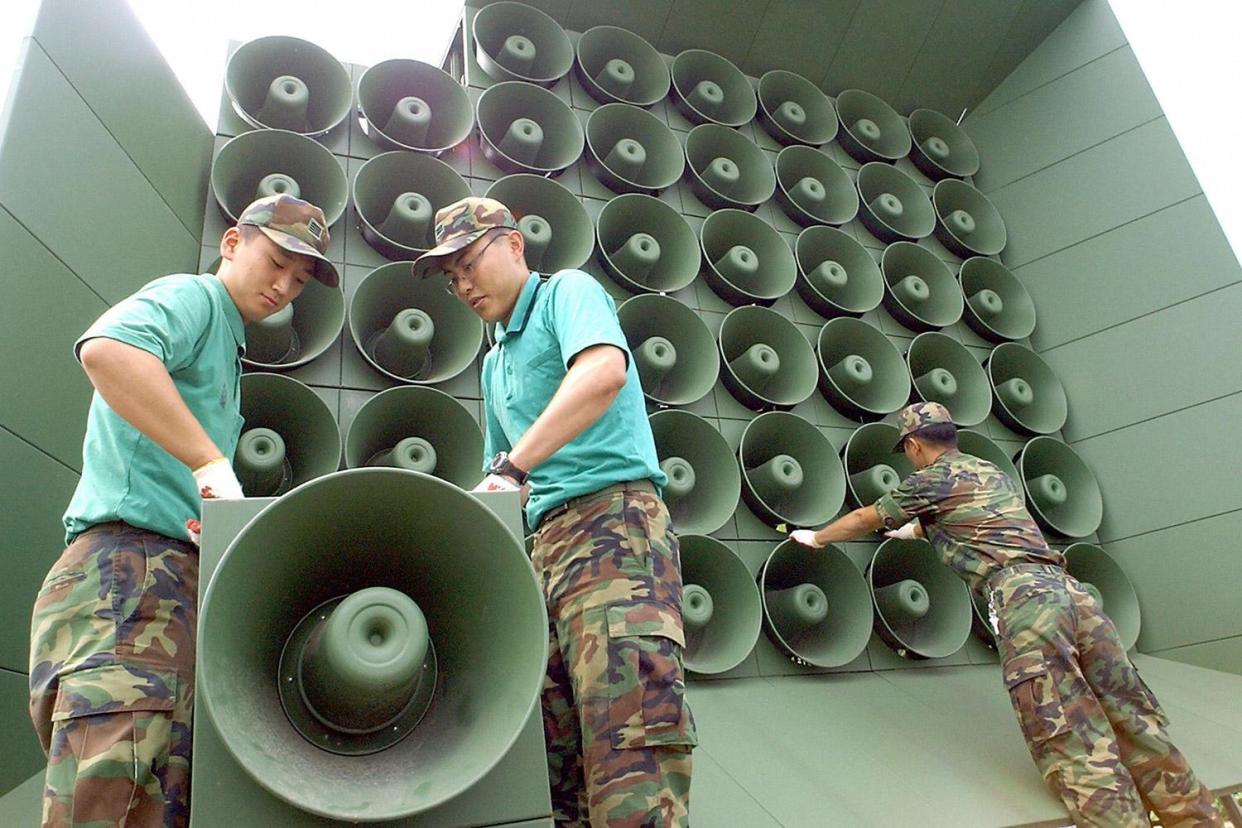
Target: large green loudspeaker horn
(790, 472)
(720, 605)
(269, 162)
(967, 223)
(406, 104)
(615, 65)
(727, 169)
(872, 468)
(921, 291)
(1027, 396)
(709, 89)
(631, 151)
(795, 111)
(975, 444)
(290, 436)
(673, 349)
(647, 246)
(525, 128)
(301, 331)
(922, 609)
(703, 478)
(767, 362)
(861, 372)
(517, 42)
(816, 604)
(288, 83)
(1061, 490)
(944, 371)
(1104, 578)
(412, 330)
(812, 189)
(941, 148)
(998, 308)
(836, 274)
(871, 130)
(349, 627)
(892, 205)
(557, 229)
(396, 196)
(745, 260)
(418, 429)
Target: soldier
(565, 422)
(112, 637)
(1094, 729)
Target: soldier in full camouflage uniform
(113, 631)
(565, 419)
(1093, 727)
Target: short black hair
(943, 435)
(248, 231)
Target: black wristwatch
(503, 466)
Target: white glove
(215, 479)
(906, 532)
(496, 483)
(806, 537)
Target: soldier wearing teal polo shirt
(566, 423)
(113, 632)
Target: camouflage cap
(920, 415)
(458, 225)
(296, 225)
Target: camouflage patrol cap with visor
(460, 224)
(297, 226)
(918, 416)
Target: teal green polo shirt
(550, 325)
(192, 325)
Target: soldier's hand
(216, 480)
(907, 532)
(496, 483)
(806, 537)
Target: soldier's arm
(858, 523)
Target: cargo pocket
(1033, 693)
(114, 688)
(647, 687)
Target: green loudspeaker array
(410, 105)
(632, 151)
(861, 372)
(922, 609)
(816, 604)
(412, 331)
(288, 83)
(290, 436)
(557, 229)
(709, 89)
(836, 274)
(417, 429)
(646, 246)
(944, 371)
(517, 42)
(940, 147)
(703, 478)
(1061, 490)
(966, 221)
(1027, 395)
(615, 65)
(396, 196)
(674, 352)
(790, 472)
(299, 332)
(812, 189)
(871, 130)
(745, 260)
(795, 111)
(872, 468)
(767, 362)
(270, 162)
(727, 169)
(892, 206)
(720, 605)
(527, 129)
(1104, 578)
(998, 308)
(974, 443)
(922, 293)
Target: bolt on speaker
(816, 604)
(703, 479)
(790, 472)
(940, 147)
(348, 626)
(767, 362)
(557, 229)
(412, 330)
(517, 42)
(288, 83)
(299, 332)
(795, 111)
(417, 429)
(1027, 395)
(410, 105)
(892, 206)
(812, 189)
(720, 605)
(527, 129)
(975, 444)
(1107, 582)
(615, 65)
(871, 130)
(998, 308)
(631, 151)
(270, 162)
(945, 371)
(836, 274)
(396, 196)
(921, 291)
(727, 169)
(967, 223)
(922, 609)
(646, 246)
(872, 468)
(1061, 490)
(290, 436)
(861, 372)
(674, 352)
(709, 89)
(746, 260)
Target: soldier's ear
(229, 243)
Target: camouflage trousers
(618, 729)
(112, 678)
(1093, 727)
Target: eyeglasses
(467, 269)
